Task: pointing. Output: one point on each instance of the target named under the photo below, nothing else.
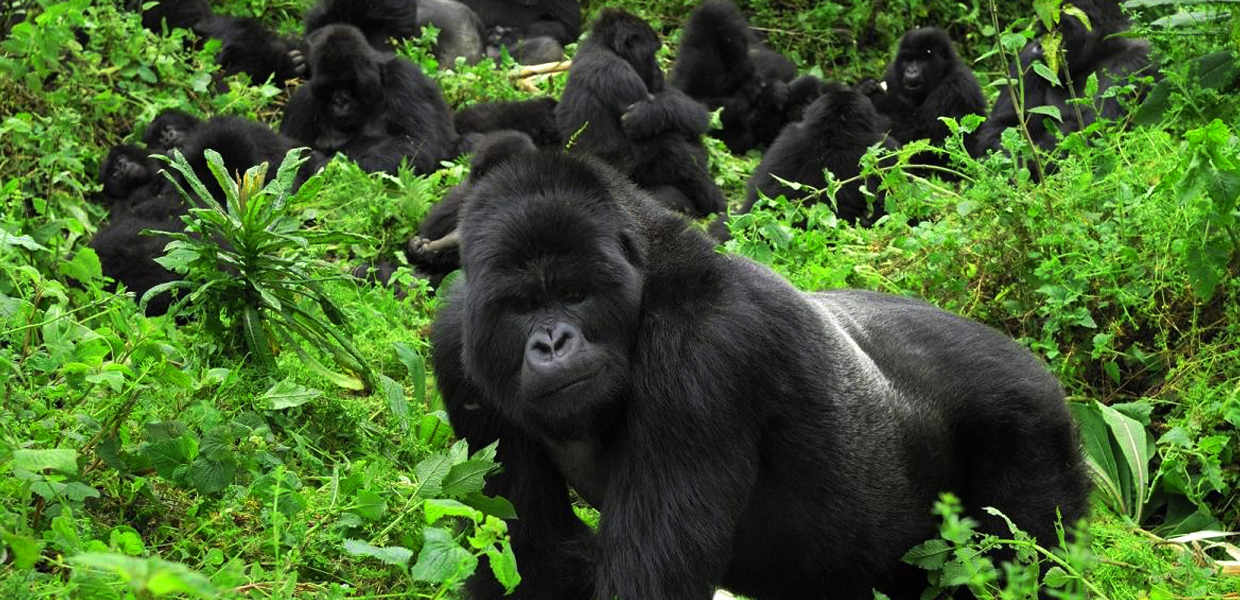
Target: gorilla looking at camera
(377, 109)
(731, 430)
(926, 81)
(616, 107)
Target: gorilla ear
(632, 252)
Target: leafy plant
(244, 258)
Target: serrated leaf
(287, 394)
(504, 565)
(430, 474)
(212, 476)
(59, 459)
(929, 555)
(167, 455)
(84, 267)
(438, 508)
(396, 400)
(1056, 577)
(442, 560)
(392, 555)
(466, 478)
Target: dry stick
(544, 69)
(1016, 102)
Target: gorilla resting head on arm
(376, 108)
(615, 106)
(731, 430)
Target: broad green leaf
(434, 429)
(497, 507)
(167, 455)
(438, 508)
(155, 576)
(396, 400)
(84, 267)
(1048, 110)
(504, 565)
(467, 477)
(442, 560)
(430, 474)
(929, 555)
(60, 459)
(26, 550)
(392, 555)
(127, 540)
(287, 394)
(212, 476)
(1132, 439)
(1096, 437)
(370, 505)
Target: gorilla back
(731, 429)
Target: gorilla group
(595, 335)
(140, 197)
(615, 106)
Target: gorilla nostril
(563, 337)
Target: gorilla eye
(575, 296)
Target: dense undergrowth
(144, 457)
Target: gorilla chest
(582, 465)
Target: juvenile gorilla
(247, 46)
(616, 107)
(1113, 58)
(926, 81)
(377, 109)
(723, 64)
(731, 430)
(837, 130)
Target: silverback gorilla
(731, 430)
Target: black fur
(176, 14)
(1100, 51)
(723, 64)
(378, 20)
(241, 144)
(170, 129)
(615, 91)
(128, 257)
(249, 47)
(533, 31)
(535, 118)
(379, 110)
(924, 82)
(731, 430)
(837, 130)
(129, 175)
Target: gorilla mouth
(912, 86)
(560, 389)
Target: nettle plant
(245, 267)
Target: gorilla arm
(669, 110)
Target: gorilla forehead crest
(540, 204)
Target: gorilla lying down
(731, 430)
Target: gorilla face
(633, 40)
(346, 80)
(553, 297)
(125, 169)
(925, 57)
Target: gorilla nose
(550, 348)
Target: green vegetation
(146, 457)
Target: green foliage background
(141, 458)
